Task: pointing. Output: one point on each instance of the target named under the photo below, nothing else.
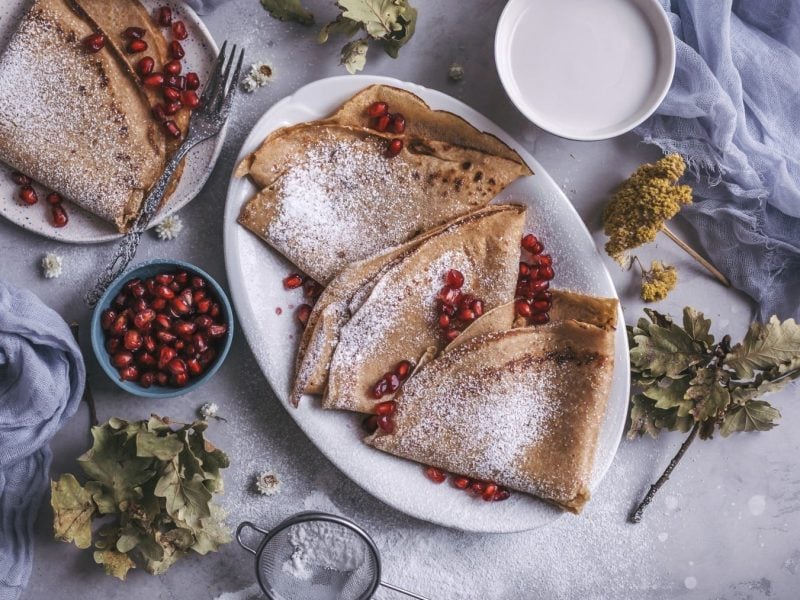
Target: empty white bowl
(585, 69)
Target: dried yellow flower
(659, 281)
(642, 203)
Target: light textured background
(725, 526)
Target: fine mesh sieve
(317, 556)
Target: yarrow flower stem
(693, 253)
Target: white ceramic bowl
(585, 69)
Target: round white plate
(585, 69)
(84, 227)
(255, 272)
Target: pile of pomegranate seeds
(382, 120)
(490, 492)
(164, 330)
(29, 196)
(456, 310)
(179, 91)
(311, 291)
(533, 298)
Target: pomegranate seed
(523, 308)
(545, 260)
(476, 487)
(179, 306)
(20, 179)
(392, 382)
(199, 342)
(182, 277)
(379, 389)
(113, 344)
(207, 357)
(198, 295)
(136, 46)
(165, 16)
(444, 321)
(162, 378)
(303, 312)
(489, 492)
(130, 373)
(176, 50)
(204, 305)
(192, 81)
(194, 367)
(370, 424)
(311, 289)
(447, 309)
(398, 123)
(395, 146)
(184, 329)
(449, 295)
(545, 295)
(94, 42)
(119, 326)
(292, 281)
(171, 94)
(537, 287)
(165, 337)
(145, 66)
(165, 278)
(165, 355)
(122, 359)
(60, 216)
(107, 317)
(546, 273)
(173, 67)
(435, 475)
(176, 366)
(203, 321)
(386, 423)
(466, 315)
(198, 282)
(524, 269)
(179, 31)
(163, 291)
(215, 310)
(461, 483)
(217, 330)
(153, 80)
(466, 301)
(382, 123)
(190, 99)
(386, 408)
(454, 278)
(147, 379)
(54, 198)
(132, 340)
(377, 109)
(451, 334)
(159, 113)
(138, 291)
(541, 306)
(403, 369)
(172, 129)
(477, 307)
(170, 109)
(163, 321)
(119, 300)
(134, 33)
(532, 244)
(502, 494)
(540, 318)
(28, 195)
(180, 380)
(148, 343)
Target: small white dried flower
(260, 75)
(209, 410)
(169, 228)
(267, 483)
(456, 72)
(51, 265)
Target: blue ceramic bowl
(143, 271)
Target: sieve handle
(401, 590)
(239, 531)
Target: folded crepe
(330, 197)
(521, 408)
(398, 320)
(79, 122)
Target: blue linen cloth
(41, 382)
(733, 112)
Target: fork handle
(126, 249)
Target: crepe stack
(79, 122)
(521, 408)
(329, 196)
(382, 311)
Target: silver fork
(206, 122)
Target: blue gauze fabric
(733, 112)
(41, 382)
